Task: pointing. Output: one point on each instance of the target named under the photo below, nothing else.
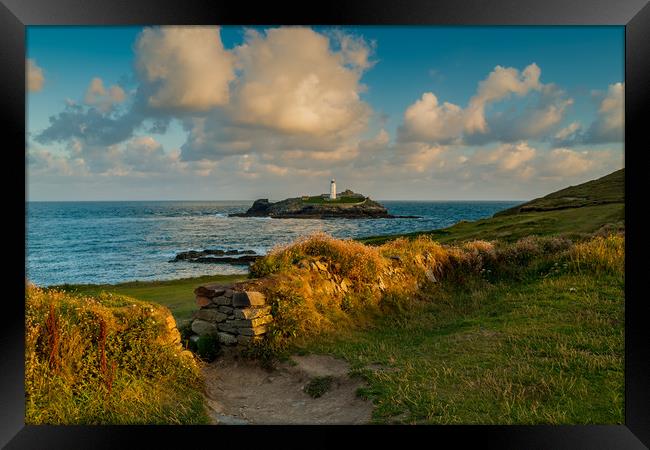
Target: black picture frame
(15, 15)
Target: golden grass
(106, 360)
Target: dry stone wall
(236, 314)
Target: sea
(114, 242)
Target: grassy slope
(607, 189)
(548, 350)
(319, 200)
(574, 211)
(177, 295)
(575, 221)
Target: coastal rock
(227, 338)
(211, 315)
(222, 301)
(252, 331)
(252, 313)
(248, 298)
(233, 257)
(210, 290)
(202, 327)
(226, 310)
(227, 327)
(202, 301)
(349, 205)
(251, 323)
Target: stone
(210, 290)
(202, 327)
(227, 338)
(245, 340)
(227, 327)
(247, 323)
(202, 301)
(226, 309)
(228, 293)
(194, 338)
(251, 313)
(222, 301)
(256, 331)
(211, 315)
(248, 298)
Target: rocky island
(347, 205)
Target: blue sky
(565, 113)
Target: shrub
(107, 359)
(600, 255)
(208, 347)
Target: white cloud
(186, 67)
(499, 84)
(293, 83)
(97, 95)
(427, 120)
(609, 125)
(35, 77)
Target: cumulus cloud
(499, 84)
(35, 77)
(293, 82)
(104, 99)
(295, 94)
(185, 68)
(429, 121)
(609, 125)
(90, 125)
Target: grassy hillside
(528, 332)
(608, 189)
(107, 359)
(573, 222)
(574, 211)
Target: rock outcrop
(349, 205)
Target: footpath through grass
(547, 350)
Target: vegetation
(317, 199)
(106, 359)
(479, 332)
(572, 223)
(318, 386)
(608, 189)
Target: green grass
(177, 295)
(573, 222)
(318, 386)
(607, 189)
(320, 200)
(106, 359)
(546, 350)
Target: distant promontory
(347, 204)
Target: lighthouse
(333, 189)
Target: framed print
(417, 216)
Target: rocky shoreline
(211, 256)
(349, 206)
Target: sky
(396, 113)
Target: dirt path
(239, 391)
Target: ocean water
(112, 242)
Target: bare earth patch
(239, 391)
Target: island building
(333, 189)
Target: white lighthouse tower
(333, 189)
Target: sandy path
(239, 391)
